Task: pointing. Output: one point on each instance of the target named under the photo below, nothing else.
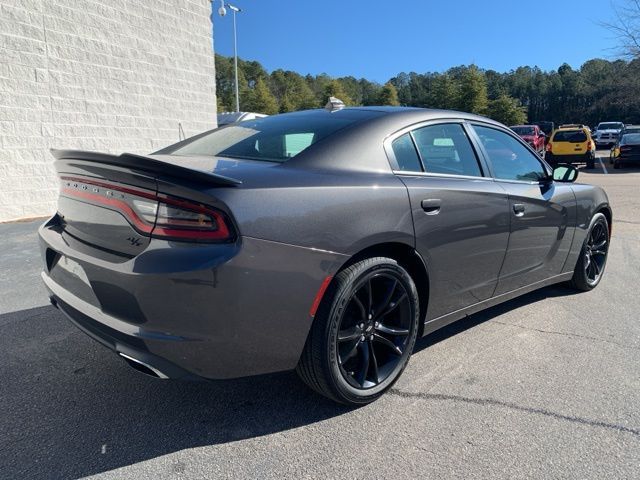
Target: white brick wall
(111, 75)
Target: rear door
(461, 216)
(541, 213)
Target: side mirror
(565, 173)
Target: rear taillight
(549, 146)
(150, 213)
(625, 148)
(588, 146)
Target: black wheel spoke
(374, 363)
(388, 296)
(387, 342)
(392, 331)
(360, 306)
(364, 369)
(349, 334)
(370, 299)
(392, 306)
(351, 352)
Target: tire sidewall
(580, 270)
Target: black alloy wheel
(363, 334)
(593, 256)
(595, 253)
(374, 330)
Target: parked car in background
(533, 135)
(607, 133)
(230, 254)
(627, 129)
(571, 144)
(626, 150)
(225, 118)
(546, 127)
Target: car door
(541, 212)
(461, 216)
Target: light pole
(223, 11)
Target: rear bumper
(212, 311)
(570, 159)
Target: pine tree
(507, 110)
(388, 95)
(261, 100)
(473, 91)
(334, 88)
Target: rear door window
(446, 149)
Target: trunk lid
(113, 202)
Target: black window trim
(388, 147)
(545, 166)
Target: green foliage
(473, 96)
(388, 95)
(507, 110)
(261, 100)
(600, 90)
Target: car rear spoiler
(148, 165)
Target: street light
(222, 11)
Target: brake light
(588, 146)
(150, 213)
(549, 146)
(625, 148)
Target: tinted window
(510, 159)
(574, 136)
(406, 155)
(524, 130)
(610, 126)
(446, 149)
(630, 139)
(276, 139)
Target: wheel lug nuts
(362, 338)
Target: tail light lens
(588, 146)
(549, 146)
(153, 214)
(625, 148)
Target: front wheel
(593, 256)
(363, 333)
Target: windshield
(574, 136)
(610, 126)
(630, 139)
(524, 130)
(274, 139)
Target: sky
(377, 39)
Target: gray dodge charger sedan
(324, 241)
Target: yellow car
(571, 144)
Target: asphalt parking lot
(547, 385)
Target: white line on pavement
(602, 163)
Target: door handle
(431, 206)
(518, 209)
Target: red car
(532, 135)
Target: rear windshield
(524, 130)
(574, 136)
(630, 139)
(273, 139)
(610, 126)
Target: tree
(444, 92)
(388, 95)
(507, 110)
(333, 88)
(473, 91)
(626, 26)
(261, 100)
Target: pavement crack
(564, 334)
(489, 402)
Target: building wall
(112, 76)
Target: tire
(617, 164)
(590, 163)
(333, 358)
(598, 237)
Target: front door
(541, 211)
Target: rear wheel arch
(606, 211)
(408, 258)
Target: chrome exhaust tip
(143, 367)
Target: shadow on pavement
(71, 408)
